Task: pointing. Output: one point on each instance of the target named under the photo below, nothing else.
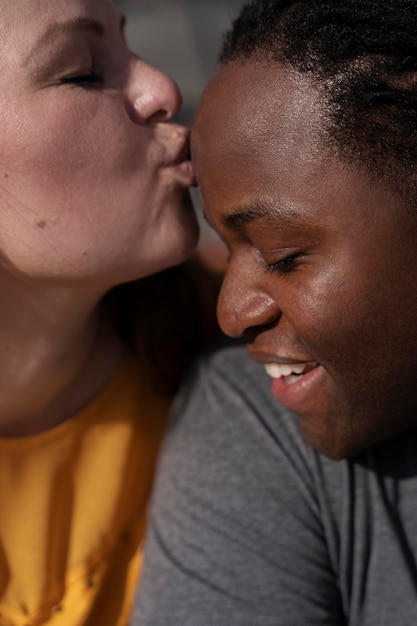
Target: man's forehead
(254, 103)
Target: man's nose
(244, 305)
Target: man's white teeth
(278, 370)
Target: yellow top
(72, 509)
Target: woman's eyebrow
(62, 28)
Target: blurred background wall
(182, 37)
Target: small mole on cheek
(41, 224)
(6, 175)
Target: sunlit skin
(323, 265)
(93, 178)
(85, 148)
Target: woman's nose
(243, 305)
(152, 96)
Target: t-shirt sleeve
(235, 536)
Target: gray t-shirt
(250, 526)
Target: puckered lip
(180, 160)
(183, 152)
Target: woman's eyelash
(84, 80)
(285, 265)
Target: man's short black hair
(362, 55)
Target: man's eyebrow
(266, 212)
(61, 28)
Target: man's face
(322, 275)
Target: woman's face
(322, 275)
(92, 177)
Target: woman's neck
(57, 350)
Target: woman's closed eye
(84, 79)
